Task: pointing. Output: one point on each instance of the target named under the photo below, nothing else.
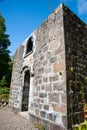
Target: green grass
(4, 93)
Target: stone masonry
(56, 64)
(76, 67)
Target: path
(11, 121)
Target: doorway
(26, 88)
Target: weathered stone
(54, 97)
(53, 59)
(35, 104)
(51, 117)
(57, 66)
(53, 45)
(53, 78)
(42, 57)
(60, 108)
(63, 98)
(16, 75)
(41, 70)
(58, 51)
(38, 88)
(40, 81)
(42, 87)
(64, 120)
(81, 117)
(42, 95)
(40, 106)
(56, 127)
(45, 49)
(58, 86)
(43, 114)
(45, 79)
(45, 62)
(46, 107)
(35, 94)
(48, 54)
(49, 87)
(37, 112)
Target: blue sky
(24, 16)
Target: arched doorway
(25, 93)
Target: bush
(4, 93)
(3, 82)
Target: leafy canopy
(4, 53)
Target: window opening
(29, 45)
(26, 88)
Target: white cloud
(82, 6)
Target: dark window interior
(26, 88)
(29, 45)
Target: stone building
(50, 72)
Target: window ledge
(26, 55)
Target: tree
(4, 52)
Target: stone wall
(57, 66)
(16, 80)
(76, 66)
(49, 96)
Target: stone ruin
(49, 78)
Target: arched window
(29, 47)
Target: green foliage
(39, 126)
(5, 66)
(86, 79)
(71, 69)
(3, 82)
(4, 93)
(81, 126)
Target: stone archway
(25, 93)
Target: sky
(22, 17)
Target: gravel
(11, 121)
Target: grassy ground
(4, 93)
